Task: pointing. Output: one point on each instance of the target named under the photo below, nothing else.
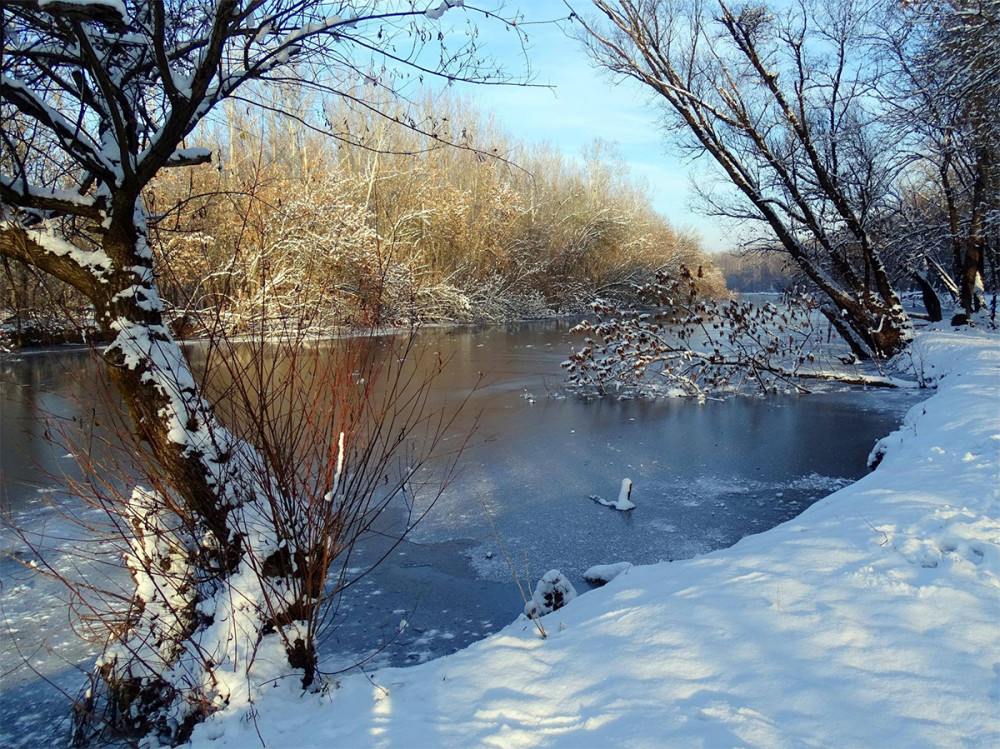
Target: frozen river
(704, 476)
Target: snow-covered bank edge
(869, 620)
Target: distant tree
(783, 99)
(758, 271)
(99, 96)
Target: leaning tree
(783, 98)
(98, 97)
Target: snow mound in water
(623, 503)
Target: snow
(869, 620)
(624, 503)
(19, 185)
(435, 12)
(602, 574)
(187, 155)
(552, 592)
(95, 261)
(114, 6)
(149, 347)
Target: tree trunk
(214, 576)
(974, 244)
(954, 224)
(932, 303)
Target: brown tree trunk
(974, 244)
(932, 303)
(215, 516)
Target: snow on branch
(18, 192)
(439, 10)
(110, 13)
(41, 248)
(190, 157)
(95, 261)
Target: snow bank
(869, 620)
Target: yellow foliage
(401, 227)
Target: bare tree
(944, 90)
(783, 101)
(98, 97)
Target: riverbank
(44, 336)
(868, 620)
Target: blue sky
(584, 103)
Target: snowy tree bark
(162, 671)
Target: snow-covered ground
(872, 619)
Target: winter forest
(314, 361)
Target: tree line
(392, 226)
(404, 228)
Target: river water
(704, 475)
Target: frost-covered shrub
(690, 344)
(323, 437)
(552, 592)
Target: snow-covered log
(623, 503)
